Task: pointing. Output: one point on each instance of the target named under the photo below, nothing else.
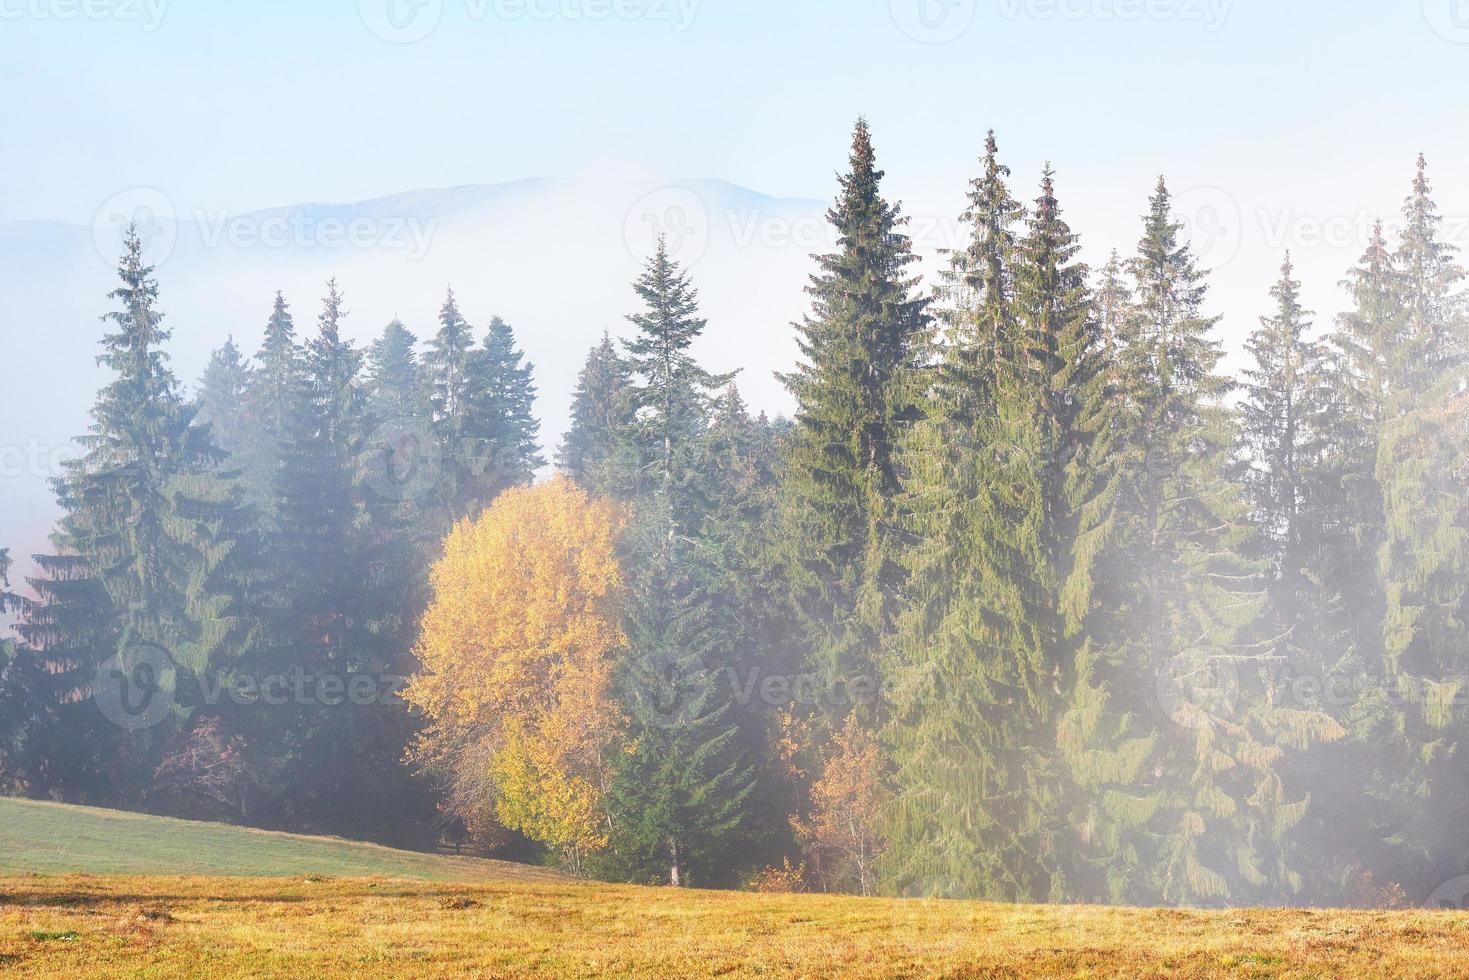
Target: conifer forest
(1030, 599)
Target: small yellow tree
(517, 651)
(846, 805)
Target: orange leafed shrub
(784, 880)
(517, 652)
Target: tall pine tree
(861, 346)
(447, 368)
(147, 550)
(999, 490)
(1286, 424)
(672, 395)
(1177, 764)
(681, 789)
(1424, 559)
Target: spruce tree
(400, 463)
(344, 557)
(447, 363)
(502, 427)
(221, 400)
(1363, 349)
(976, 292)
(24, 720)
(681, 785)
(1113, 303)
(681, 788)
(71, 628)
(861, 346)
(140, 506)
(1424, 558)
(447, 368)
(1286, 425)
(397, 471)
(998, 477)
(748, 617)
(594, 449)
(672, 396)
(1354, 775)
(147, 549)
(320, 483)
(1178, 756)
(9, 602)
(1282, 417)
(315, 489)
(395, 391)
(311, 548)
(275, 389)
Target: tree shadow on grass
(66, 900)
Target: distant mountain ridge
(553, 256)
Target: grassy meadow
(87, 893)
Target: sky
(1280, 126)
(253, 105)
(1289, 121)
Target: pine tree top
(134, 348)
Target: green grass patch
(52, 838)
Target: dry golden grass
(73, 926)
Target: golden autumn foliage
(517, 651)
(540, 796)
(846, 805)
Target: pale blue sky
(1281, 124)
(252, 104)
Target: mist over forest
(1034, 595)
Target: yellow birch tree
(517, 650)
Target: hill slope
(51, 838)
(88, 892)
